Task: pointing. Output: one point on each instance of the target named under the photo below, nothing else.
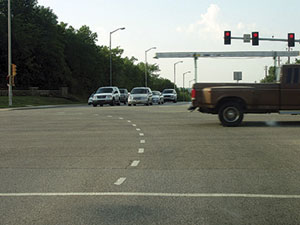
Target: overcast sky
(187, 25)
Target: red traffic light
(291, 39)
(255, 38)
(227, 37)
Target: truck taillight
(193, 94)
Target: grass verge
(22, 101)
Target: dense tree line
(50, 55)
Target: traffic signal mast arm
(266, 39)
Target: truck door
(290, 87)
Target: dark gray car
(124, 95)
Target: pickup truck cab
(232, 100)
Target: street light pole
(9, 55)
(110, 60)
(175, 72)
(146, 64)
(190, 82)
(183, 77)
(183, 84)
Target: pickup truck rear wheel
(231, 114)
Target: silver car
(106, 95)
(140, 95)
(157, 97)
(170, 95)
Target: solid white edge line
(120, 181)
(141, 150)
(135, 163)
(193, 195)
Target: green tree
(271, 77)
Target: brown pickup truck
(232, 100)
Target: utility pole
(9, 55)
(266, 71)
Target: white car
(170, 95)
(140, 95)
(106, 95)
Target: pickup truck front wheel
(231, 114)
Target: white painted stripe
(141, 134)
(96, 114)
(191, 195)
(109, 116)
(121, 118)
(134, 125)
(143, 141)
(128, 121)
(138, 129)
(135, 163)
(141, 150)
(120, 181)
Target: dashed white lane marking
(120, 181)
(141, 134)
(128, 121)
(145, 194)
(138, 129)
(134, 125)
(141, 150)
(135, 163)
(143, 142)
(121, 118)
(109, 116)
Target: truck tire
(231, 114)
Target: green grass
(22, 101)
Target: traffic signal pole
(9, 56)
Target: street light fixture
(146, 64)
(110, 61)
(175, 72)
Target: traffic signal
(14, 69)
(291, 39)
(227, 37)
(255, 38)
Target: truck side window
(289, 76)
(296, 76)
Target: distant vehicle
(157, 97)
(106, 95)
(170, 95)
(124, 95)
(140, 95)
(90, 101)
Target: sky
(187, 26)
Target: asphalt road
(147, 165)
